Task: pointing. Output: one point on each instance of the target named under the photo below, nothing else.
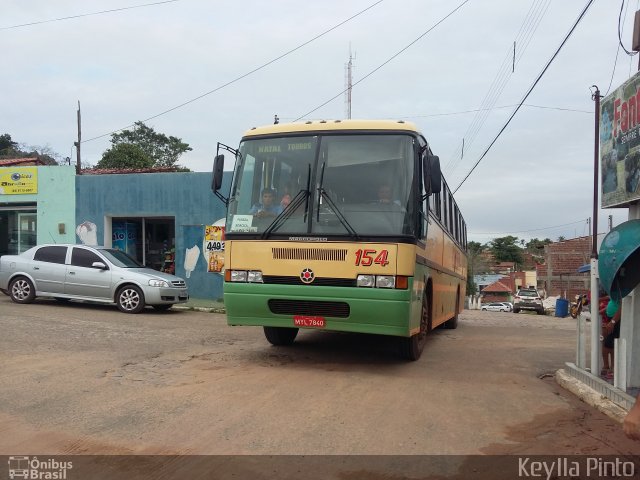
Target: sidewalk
(202, 305)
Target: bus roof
(332, 125)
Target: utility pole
(595, 324)
(77, 144)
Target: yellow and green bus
(342, 225)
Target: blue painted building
(158, 218)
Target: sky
(137, 63)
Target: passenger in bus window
(267, 206)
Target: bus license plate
(306, 321)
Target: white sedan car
(497, 307)
(81, 272)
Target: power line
(444, 114)
(531, 230)
(243, 75)
(615, 62)
(631, 54)
(523, 38)
(87, 14)
(385, 62)
(566, 38)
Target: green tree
(7, 146)
(163, 150)
(11, 149)
(506, 249)
(536, 246)
(125, 155)
(476, 264)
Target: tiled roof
(11, 162)
(121, 171)
(496, 287)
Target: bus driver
(267, 207)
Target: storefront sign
(214, 248)
(620, 145)
(18, 180)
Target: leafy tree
(164, 151)
(506, 249)
(7, 146)
(11, 149)
(536, 246)
(476, 262)
(125, 155)
(561, 238)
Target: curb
(200, 309)
(590, 396)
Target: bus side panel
(447, 268)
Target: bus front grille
(309, 308)
(322, 254)
(321, 282)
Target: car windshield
(348, 185)
(120, 258)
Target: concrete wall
(56, 203)
(185, 196)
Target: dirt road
(84, 379)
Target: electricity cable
(527, 30)
(631, 54)
(584, 11)
(615, 62)
(237, 79)
(531, 230)
(385, 62)
(87, 14)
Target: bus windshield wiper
(336, 210)
(301, 196)
(323, 194)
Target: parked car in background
(81, 272)
(497, 307)
(528, 299)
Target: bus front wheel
(280, 335)
(411, 347)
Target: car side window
(54, 254)
(81, 257)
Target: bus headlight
(238, 275)
(385, 281)
(366, 281)
(254, 276)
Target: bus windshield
(329, 185)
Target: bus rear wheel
(280, 336)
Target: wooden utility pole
(77, 144)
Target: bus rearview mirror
(218, 167)
(432, 175)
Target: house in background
(498, 291)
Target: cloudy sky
(137, 63)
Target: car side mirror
(432, 176)
(99, 265)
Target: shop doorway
(18, 230)
(150, 240)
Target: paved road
(79, 378)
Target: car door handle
(72, 273)
(36, 268)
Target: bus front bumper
(362, 310)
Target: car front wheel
(130, 299)
(21, 290)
